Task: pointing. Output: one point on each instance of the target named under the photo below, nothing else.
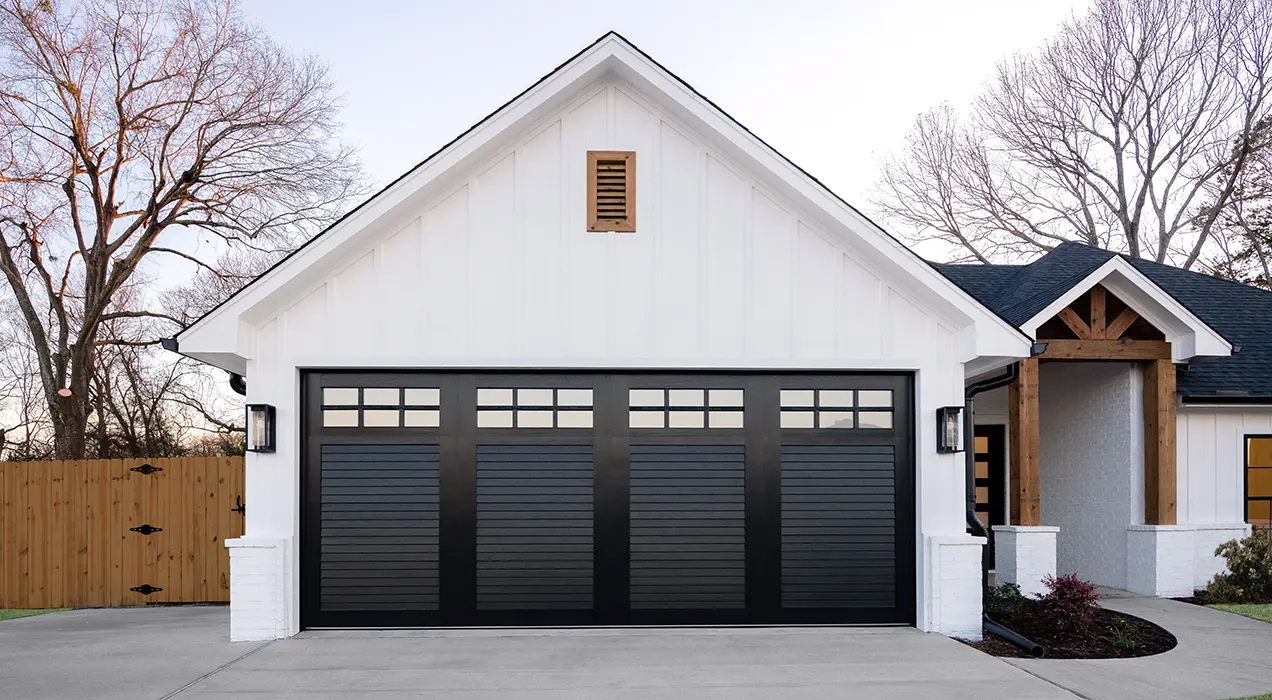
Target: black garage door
(589, 498)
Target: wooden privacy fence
(115, 532)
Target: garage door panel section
(839, 546)
(688, 526)
(379, 528)
(534, 527)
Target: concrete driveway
(182, 653)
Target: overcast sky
(832, 85)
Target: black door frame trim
(457, 438)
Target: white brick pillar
(1023, 555)
(258, 588)
(1160, 560)
(955, 585)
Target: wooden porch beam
(1026, 490)
(1075, 323)
(1121, 350)
(1121, 323)
(1099, 306)
(1159, 443)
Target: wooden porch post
(1026, 490)
(1159, 443)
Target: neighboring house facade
(608, 358)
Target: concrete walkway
(1220, 655)
(183, 654)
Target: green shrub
(1122, 635)
(1004, 599)
(1249, 575)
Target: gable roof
(1236, 311)
(217, 336)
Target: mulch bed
(1145, 638)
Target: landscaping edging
(1143, 638)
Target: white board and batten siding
(499, 271)
(1211, 460)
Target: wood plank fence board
(66, 542)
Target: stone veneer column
(1023, 555)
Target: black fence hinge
(145, 589)
(146, 529)
(147, 469)
(241, 507)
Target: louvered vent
(611, 194)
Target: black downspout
(978, 528)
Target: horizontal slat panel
(379, 523)
(534, 527)
(838, 526)
(688, 526)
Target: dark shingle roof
(1240, 313)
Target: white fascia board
(990, 334)
(217, 331)
(1188, 335)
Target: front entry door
(991, 475)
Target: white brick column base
(1160, 559)
(1023, 555)
(955, 585)
(258, 581)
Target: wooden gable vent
(611, 191)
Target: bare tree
(127, 127)
(1113, 133)
(1243, 229)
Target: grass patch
(15, 613)
(1266, 696)
(1259, 611)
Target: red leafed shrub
(1070, 604)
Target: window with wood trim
(1259, 481)
(611, 191)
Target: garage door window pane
(381, 397)
(647, 397)
(685, 419)
(687, 397)
(725, 419)
(339, 397)
(494, 397)
(534, 397)
(494, 419)
(339, 419)
(574, 397)
(874, 399)
(726, 398)
(534, 419)
(646, 419)
(797, 419)
(574, 419)
(380, 419)
(834, 398)
(874, 419)
(835, 419)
